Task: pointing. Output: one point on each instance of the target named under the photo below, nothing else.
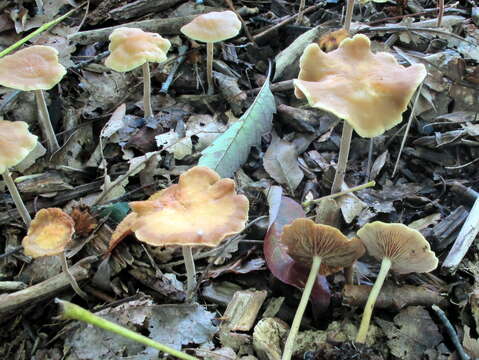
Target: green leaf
(231, 149)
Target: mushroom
(201, 210)
(326, 250)
(210, 28)
(400, 249)
(369, 91)
(132, 47)
(48, 235)
(16, 142)
(34, 68)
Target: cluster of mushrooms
(369, 91)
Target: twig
(169, 80)
(452, 333)
(464, 240)
(341, 193)
(11, 252)
(411, 117)
(261, 35)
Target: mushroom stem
(72, 279)
(45, 122)
(349, 274)
(209, 67)
(147, 90)
(349, 15)
(17, 199)
(343, 157)
(190, 272)
(440, 14)
(313, 274)
(373, 295)
(302, 5)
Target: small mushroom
(16, 142)
(400, 249)
(49, 234)
(34, 68)
(211, 28)
(369, 91)
(132, 47)
(201, 210)
(326, 250)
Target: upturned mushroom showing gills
(34, 68)
(131, 48)
(326, 250)
(369, 91)
(16, 142)
(201, 210)
(400, 249)
(49, 234)
(211, 28)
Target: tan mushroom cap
(49, 233)
(201, 209)
(369, 91)
(16, 142)
(132, 47)
(33, 68)
(213, 27)
(305, 239)
(407, 249)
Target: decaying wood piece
(241, 313)
(443, 231)
(9, 303)
(465, 193)
(141, 8)
(393, 297)
(464, 240)
(167, 26)
(268, 336)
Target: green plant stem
(147, 90)
(209, 67)
(337, 194)
(343, 157)
(17, 199)
(190, 272)
(373, 295)
(349, 15)
(299, 19)
(45, 123)
(313, 274)
(72, 279)
(75, 312)
(41, 29)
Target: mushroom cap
(49, 233)
(213, 27)
(305, 239)
(32, 68)
(369, 91)
(407, 249)
(132, 47)
(201, 209)
(16, 142)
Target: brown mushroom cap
(407, 249)
(49, 233)
(132, 47)
(16, 142)
(201, 209)
(213, 27)
(305, 239)
(369, 91)
(33, 68)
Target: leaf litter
(254, 130)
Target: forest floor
(248, 290)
